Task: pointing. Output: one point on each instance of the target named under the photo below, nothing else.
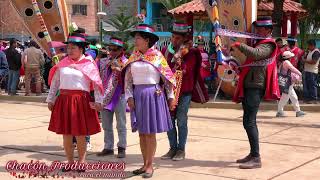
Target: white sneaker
(280, 114)
(89, 146)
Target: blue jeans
(107, 125)
(310, 86)
(12, 81)
(182, 123)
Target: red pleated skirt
(72, 115)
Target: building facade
(84, 14)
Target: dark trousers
(250, 105)
(310, 86)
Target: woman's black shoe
(81, 170)
(138, 171)
(148, 175)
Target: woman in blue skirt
(147, 75)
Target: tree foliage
(309, 26)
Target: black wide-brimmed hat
(146, 29)
(181, 28)
(78, 36)
(263, 21)
(292, 39)
(115, 42)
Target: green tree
(310, 25)
(123, 23)
(277, 17)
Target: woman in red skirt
(74, 112)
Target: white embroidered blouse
(71, 79)
(143, 73)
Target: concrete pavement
(290, 147)
(219, 104)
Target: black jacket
(14, 59)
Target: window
(78, 9)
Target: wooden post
(294, 24)
(285, 26)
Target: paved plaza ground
(290, 147)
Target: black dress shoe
(121, 152)
(106, 152)
(244, 160)
(138, 171)
(254, 163)
(65, 170)
(148, 175)
(81, 170)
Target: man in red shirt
(181, 56)
(298, 53)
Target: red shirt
(298, 55)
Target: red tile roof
(196, 6)
(288, 6)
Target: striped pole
(44, 29)
(216, 25)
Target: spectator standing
(14, 61)
(298, 53)
(311, 69)
(33, 60)
(4, 68)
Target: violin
(183, 50)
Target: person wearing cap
(257, 80)
(114, 100)
(74, 111)
(281, 48)
(288, 75)
(311, 70)
(145, 70)
(92, 50)
(298, 53)
(187, 60)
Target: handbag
(284, 80)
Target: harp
(232, 15)
(46, 20)
(178, 75)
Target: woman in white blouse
(146, 68)
(73, 109)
